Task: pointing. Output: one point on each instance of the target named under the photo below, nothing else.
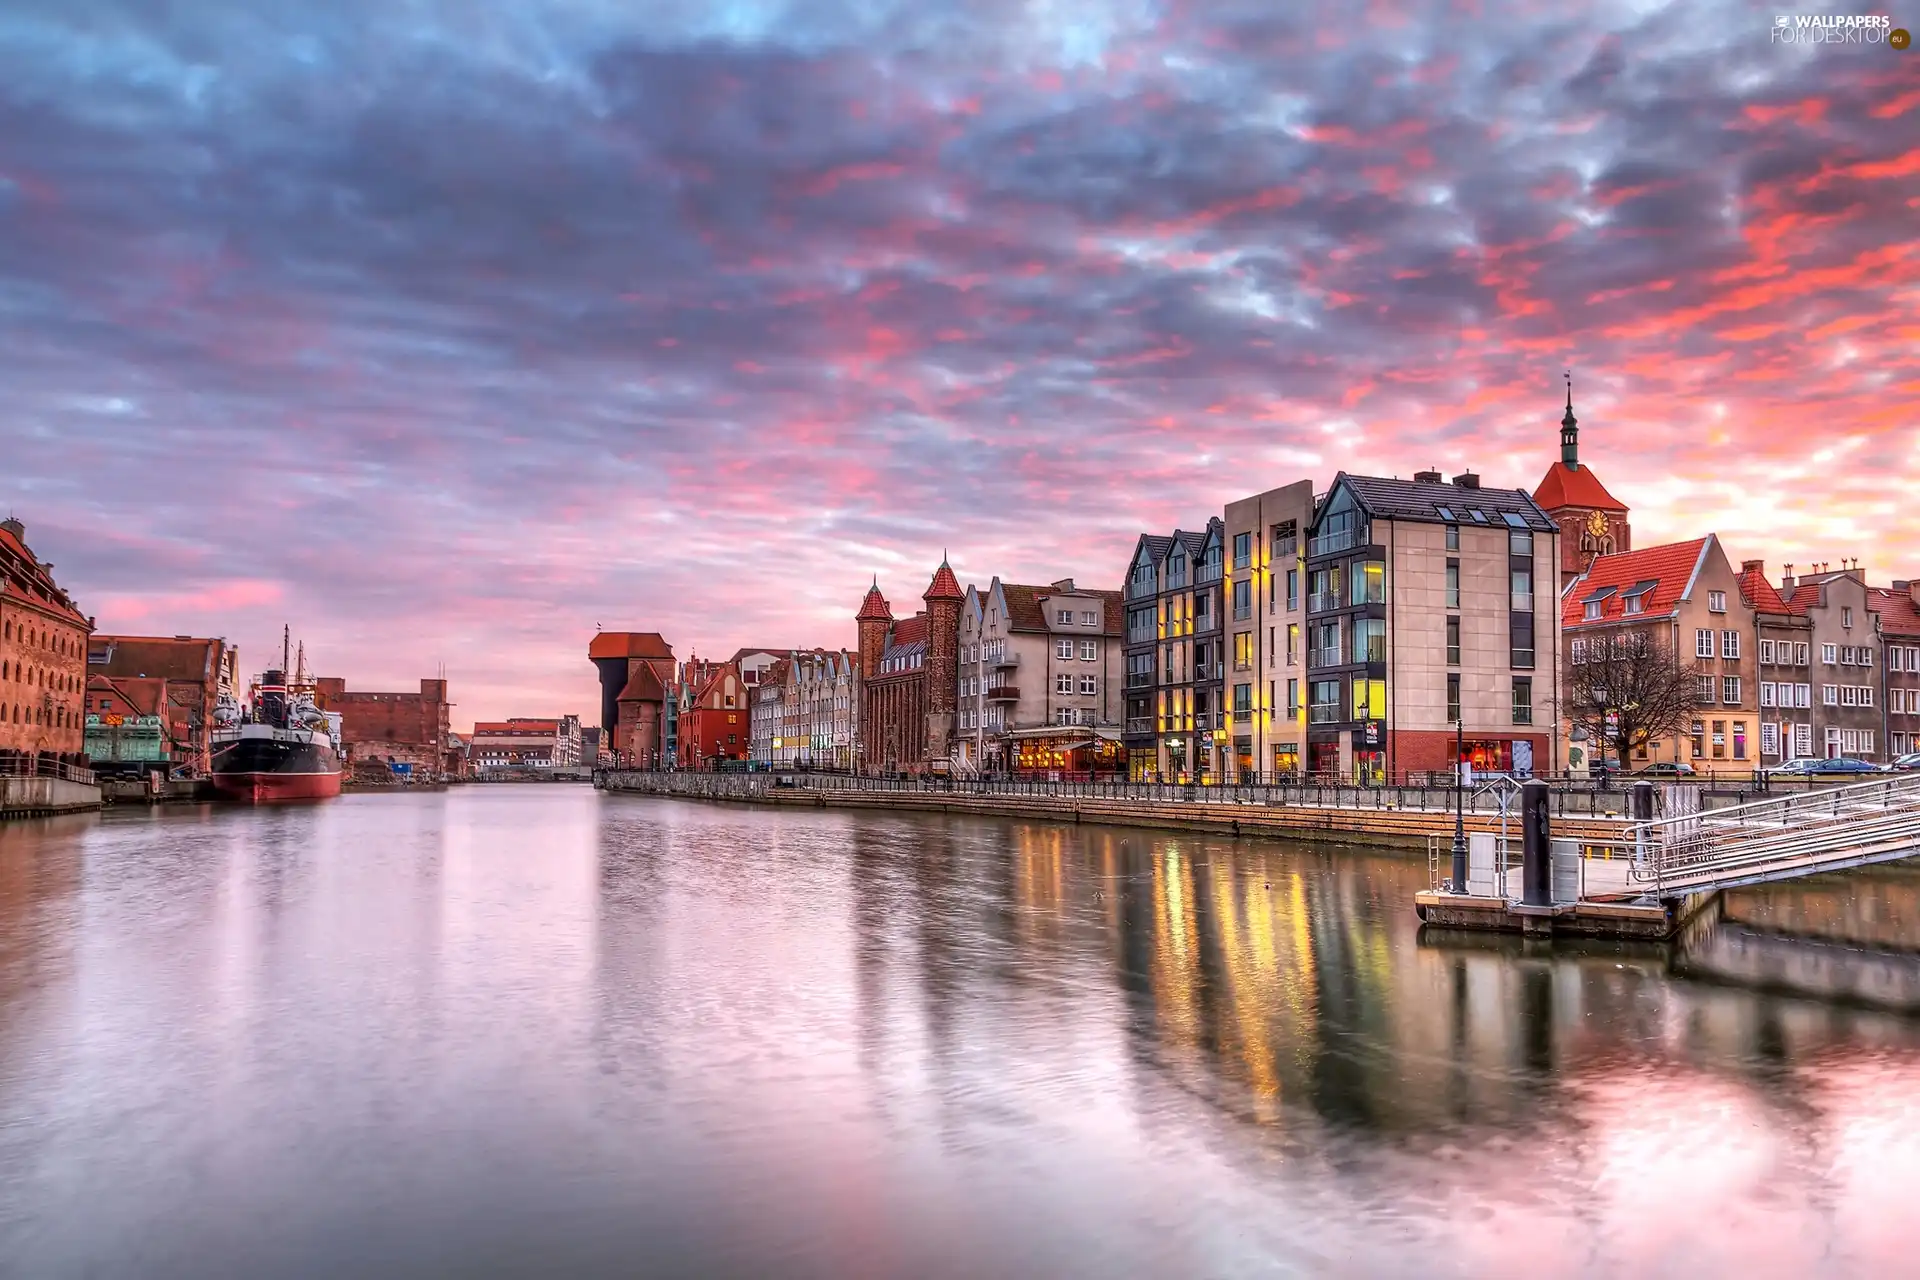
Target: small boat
(280, 746)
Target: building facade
(526, 742)
(1040, 679)
(908, 675)
(1591, 521)
(1266, 712)
(1175, 677)
(127, 727)
(1848, 656)
(713, 726)
(195, 673)
(1899, 609)
(43, 657)
(1430, 603)
(638, 714)
(1783, 660)
(411, 729)
(1686, 595)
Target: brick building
(1429, 603)
(713, 720)
(43, 657)
(638, 713)
(525, 742)
(1685, 595)
(1591, 521)
(908, 673)
(1898, 608)
(194, 671)
(412, 729)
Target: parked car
(1908, 763)
(1813, 767)
(1665, 769)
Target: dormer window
(1592, 610)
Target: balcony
(1324, 657)
(1323, 713)
(1209, 671)
(1336, 540)
(1374, 649)
(1003, 693)
(1323, 601)
(1139, 679)
(1139, 726)
(1004, 661)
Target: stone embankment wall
(37, 797)
(1348, 815)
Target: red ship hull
(265, 788)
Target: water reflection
(539, 1029)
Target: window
(1285, 539)
(1203, 611)
(1369, 580)
(1293, 697)
(1703, 643)
(1730, 690)
(1063, 684)
(1520, 544)
(1453, 696)
(1729, 644)
(1766, 651)
(1590, 610)
(1089, 686)
(1063, 649)
(1523, 700)
(1453, 642)
(1369, 640)
(1243, 650)
(1242, 549)
(1716, 602)
(1242, 695)
(1293, 589)
(1634, 602)
(1829, 695)
(1088, 618)
(1739, 739)
(1369, 699)
(1242, 600)
(1064, 617)
(1801, 655)
(1089, 651)
(1699, 737)
(1325, 707)
(1829, 654)
(1802, 695)
(1846, 617)
(1766, 693)
(1453, 537)
(1293, 643)
(1719, 739)
(1703, 689)
(1522, 590)
(1453, 584)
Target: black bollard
(1536, 848)
(1643, 802)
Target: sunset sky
(447, 331)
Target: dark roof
(157, 657)
(1417, 500)
(1157, 545)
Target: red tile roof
(1899, 615)
(944, 585)
(143, 697)
(642, 686)
(874, 606)
(171, 658)
(1563, 486)
(629, 644)
(910, 630)
(1025, 613)
(31, 581)
(517, 726)
(1671, 568)
(1761, 595)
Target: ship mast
(286, 640)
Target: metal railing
(25, 766)
(1779, 838)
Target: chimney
(1467, 480)
(1786, 580)
(1065, 584)
(13, 526)
(1754, 566)
(1426, 477)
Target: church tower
(1592, 521)
(944, 598)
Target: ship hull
(262, 769)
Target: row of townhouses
(1371, 630)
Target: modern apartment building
(1688, 596)
(1847, 660)
(1430, 602)
(1175, 651)
(1899, 610)
(1266, 675)
(1039, 670)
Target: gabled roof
(1156, 545)
(907, 633)
(642, 686)
(1899, 615)
(1565, 486)
(1439, 503)
(143, 697)
(629, 644)
(1760, 594)
(23, 576)
(160, 657)
(1663, 574)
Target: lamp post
(1459, 811)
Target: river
(535, 1029)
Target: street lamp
(1459, 811)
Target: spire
(944, 585)
(874, 607)
(1570, 431)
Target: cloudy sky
(447, 331)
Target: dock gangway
(1781, 838)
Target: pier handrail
(1779, 837)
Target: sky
(448, 332)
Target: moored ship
(280, 746)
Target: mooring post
(1536, 845)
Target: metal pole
(1459, 812)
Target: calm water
(538, 1030)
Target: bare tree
(1630, 688)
